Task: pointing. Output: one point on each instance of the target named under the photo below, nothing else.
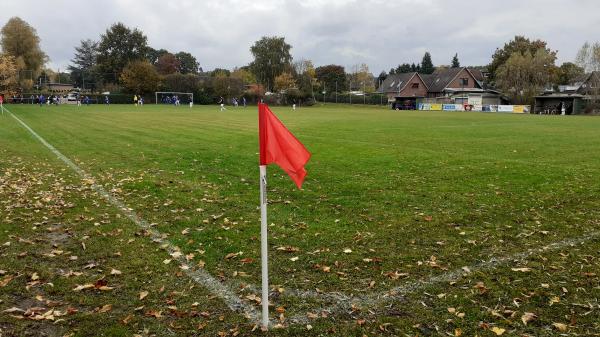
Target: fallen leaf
(115, 272)
(560, 327)
(154, 313)
(498, 331)
(6, 280)
(105, 308)
(247, 260)
(528, 317)
(143, 295)
(522, 270)
(231, 256)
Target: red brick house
(405, 87)
(452, 85)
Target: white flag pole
(263, 246)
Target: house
(451, 85)
(406, 89)
(460, 86)
(586, 84)
(575, 97)
(59, 87)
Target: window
(464, 81)
(415, 85)
(393, 82)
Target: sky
(380, 33)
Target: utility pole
(336, 90)
(364, 94)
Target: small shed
(553, 104)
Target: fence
(470, 107)
(368, 98)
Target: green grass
(416, 193)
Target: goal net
(173, 97)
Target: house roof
(395, 82)
(441, 78)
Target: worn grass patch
(392, 199)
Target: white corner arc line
(200, 276)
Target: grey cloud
(379, 33)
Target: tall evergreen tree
(83, 67)
(455, 62)
(427, 64)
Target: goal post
(184, 97)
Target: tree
(404, 68)
(140, 77)
(220, 72)
(271, 58)
(427, 64)
(152, 54)
(181, 82)
(245, 75)
(588, 57)
(83, 65)
(8, 74)
(118, 47)
(568, 72)
(187, 63)
(225, 86)
(361, 78)
(524, 75)
(284, 82)
(519, 44)
(382, 76)
(167, 64)
(306, 77)
(415, 68)
(331, 77)
(455, 62)
(20, 40)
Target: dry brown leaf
(105, 308)
(6, 280)
(560, 327)
(154, 313)
(528, 317)
(143, 295)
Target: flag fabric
(278, 145)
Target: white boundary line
(377, 299)
(200, 276)
(343, 301)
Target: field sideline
(408, 222)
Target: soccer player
(2, 101)
(106, 100)
(135, 100)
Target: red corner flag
(278, 145)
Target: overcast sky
(381, 33)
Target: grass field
(409, 223)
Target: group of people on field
(234, 101)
